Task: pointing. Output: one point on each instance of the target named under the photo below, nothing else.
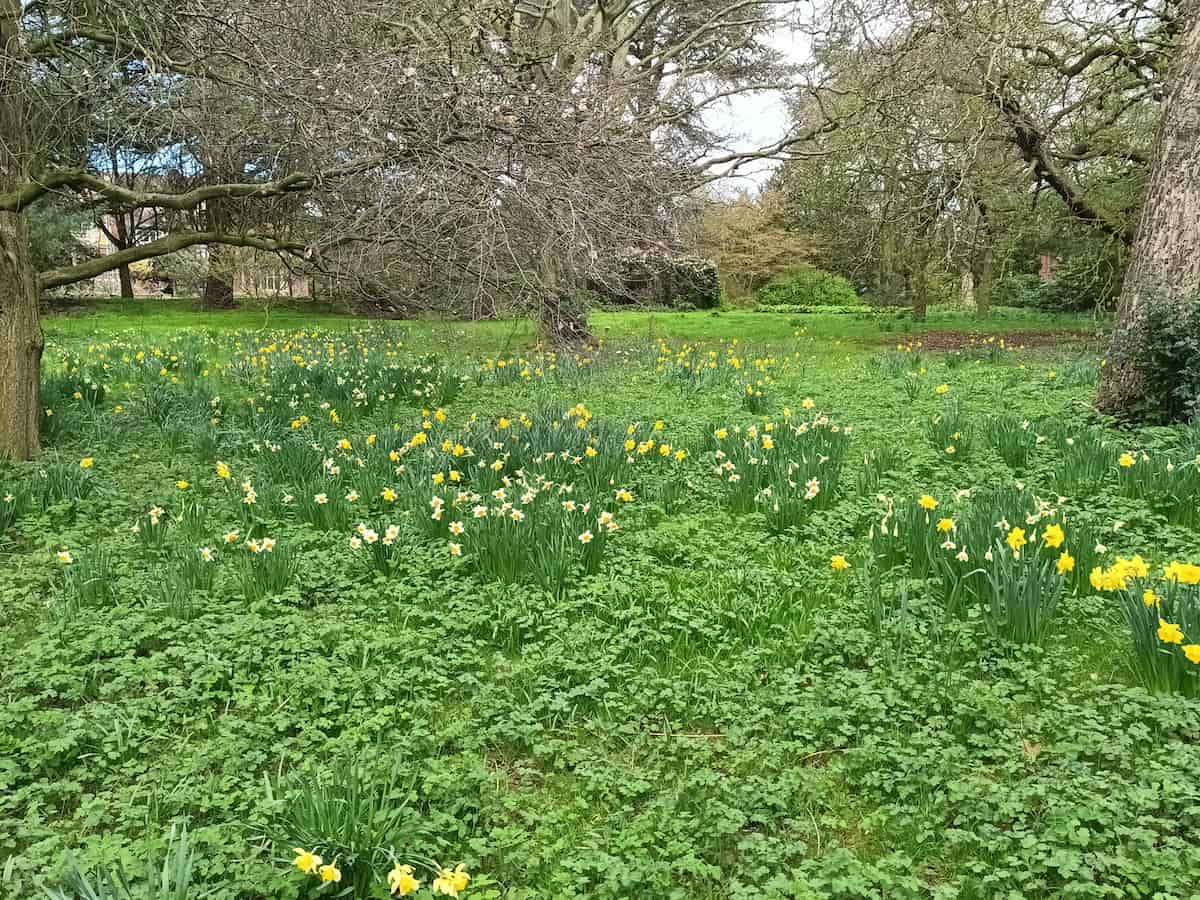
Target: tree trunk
(21, 339)
(1165, 262)
(983, 271)
(126, 277)
(218, 286)
(562, 315)
(916, 290)
(966, 289)
(124, 242)
(20, 343)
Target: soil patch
(960, 340)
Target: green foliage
(349, 817)
(54, 228)
(706, 708)
(809, 288)
(172, 880)
(264, 568)
(1089, 278)
(1148, 603)
(1024, 589)
(1019, 290)
(1168, 359)
(799, 309)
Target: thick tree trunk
(218, 286)
(560, 321)
(126, 277)
(20, 344)
(1165, 263)
(20, 331)
(562, 315)
(124, 274)
(916, 290)
(983, 271)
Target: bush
(1087, 280)
(809, 287)
(1169, 358)
(1021, 291)
(662, 280)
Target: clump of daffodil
(451, 882)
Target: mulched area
(959, 340)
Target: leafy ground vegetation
(723, 608)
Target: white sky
(757, 120)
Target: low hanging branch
(87, 183)
(1031, 144)
(173, 242)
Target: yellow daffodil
(1182, 573)
(1169, 633)
(1192, 652)
(838, 562)
(451, 881)
(330, 872)
(1066, 563)
(927, 502)
(1016, 539)
(945, 525)
(86, 463)
(401, 881)
(306, 861)
(1053, 536)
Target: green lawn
(155, 317)
(694, 703)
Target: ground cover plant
(721, 607)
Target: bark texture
(983, 273)
(21, 339)
(218, 286)
(1165, 263)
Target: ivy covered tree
(1160, 299)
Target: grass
(695, 704)
(166, 316)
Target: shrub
(1169, 359)
(1087, 280)
(658, 279)
(1024, 291)
(809, 288)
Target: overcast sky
(757, 120)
